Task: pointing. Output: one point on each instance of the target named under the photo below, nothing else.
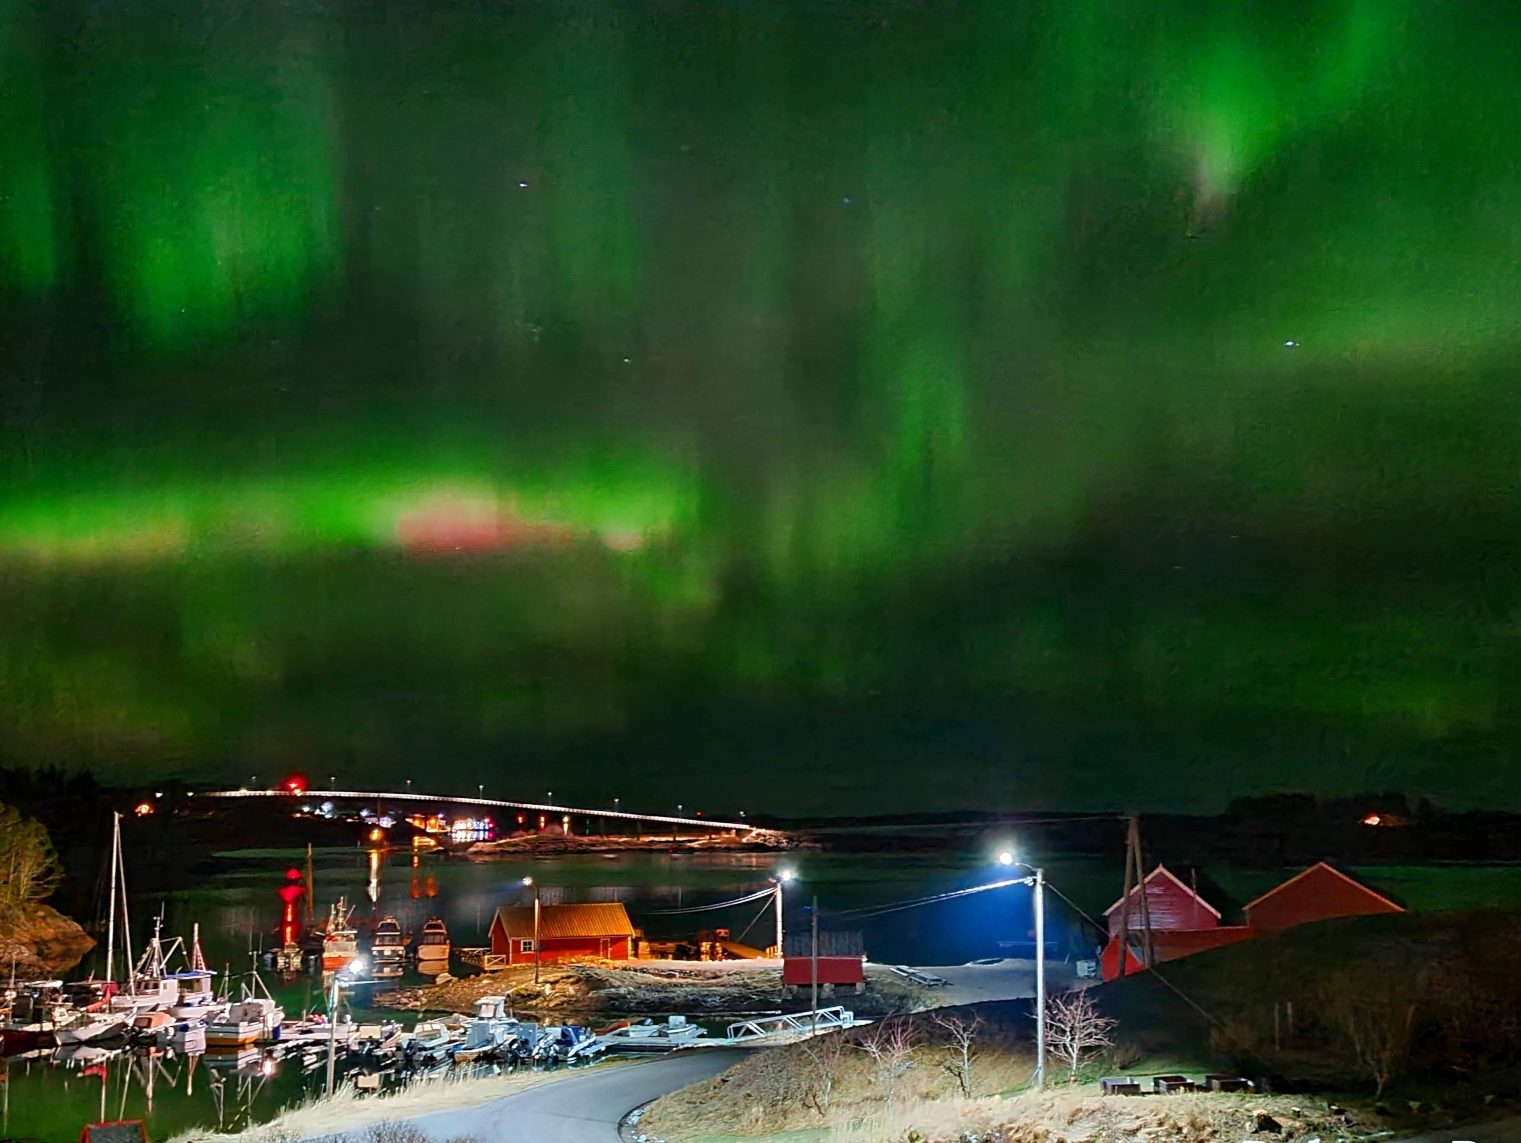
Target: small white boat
(433, 947)
(245, 1022)
(429, 1037)
(195, 997)
(674, 1032)
(90, 1028)
(491, 1029)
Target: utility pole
(1040, 978)
(814, 967)
(536, 934)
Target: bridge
(488, 803)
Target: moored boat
(388, 951)
(340, 943)
(433, 947)
(245, 1022)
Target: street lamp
(480, 789)
(409, 785)
(348, 974)
(782, 877)
(1038, 880)
(536, 907)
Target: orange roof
(559, 921)
(1326, 865)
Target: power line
(898, 906)
(756, 896)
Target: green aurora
(1085, 402)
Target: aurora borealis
(784, 405)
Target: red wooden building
(1182, 923)
(1315, 894)
(565, 932)
(1171, 904)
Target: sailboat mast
(126, 917)
(311, 887)
(111, 923)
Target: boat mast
(311, 887)
(111, 924)
(126, 917)
(197, 958)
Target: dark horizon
(794, 408)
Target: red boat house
(565, 932)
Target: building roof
(562, 921)
(1329, 868)
(1162, 871)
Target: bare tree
(1377, 1015)
(960, 1047)
(1075, 1027)
(890, 1044)
(28, 866)
(822, 1056)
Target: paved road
(1011, 979)
(583, 1108)
(1505, 1131)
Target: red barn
(1171, 904)
(1316, 894)
(565, 932)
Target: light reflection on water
(240, 911)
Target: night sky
(778, 406)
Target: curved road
(583, 1108)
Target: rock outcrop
(42, 943)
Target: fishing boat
(245, 1022)
(433, 947)
(254, 1016)
(196, 998)
(388, 951)
(35, 1009)
(492, 1029)
(340, 943)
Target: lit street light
(348, 974)
(409, 785)
(782, 877)
(529, 881)
(480, 789)
(1038, 880)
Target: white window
(525, 946)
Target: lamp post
(352, 970)
(530, 881)
(1038, 880)
(782, 877)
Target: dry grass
(1082, 1117)
(762, 1094)
(765, 1096)
(349, 1113)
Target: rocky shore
(43, 942)
(588, 991)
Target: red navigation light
(296, 785)
(293, 874)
